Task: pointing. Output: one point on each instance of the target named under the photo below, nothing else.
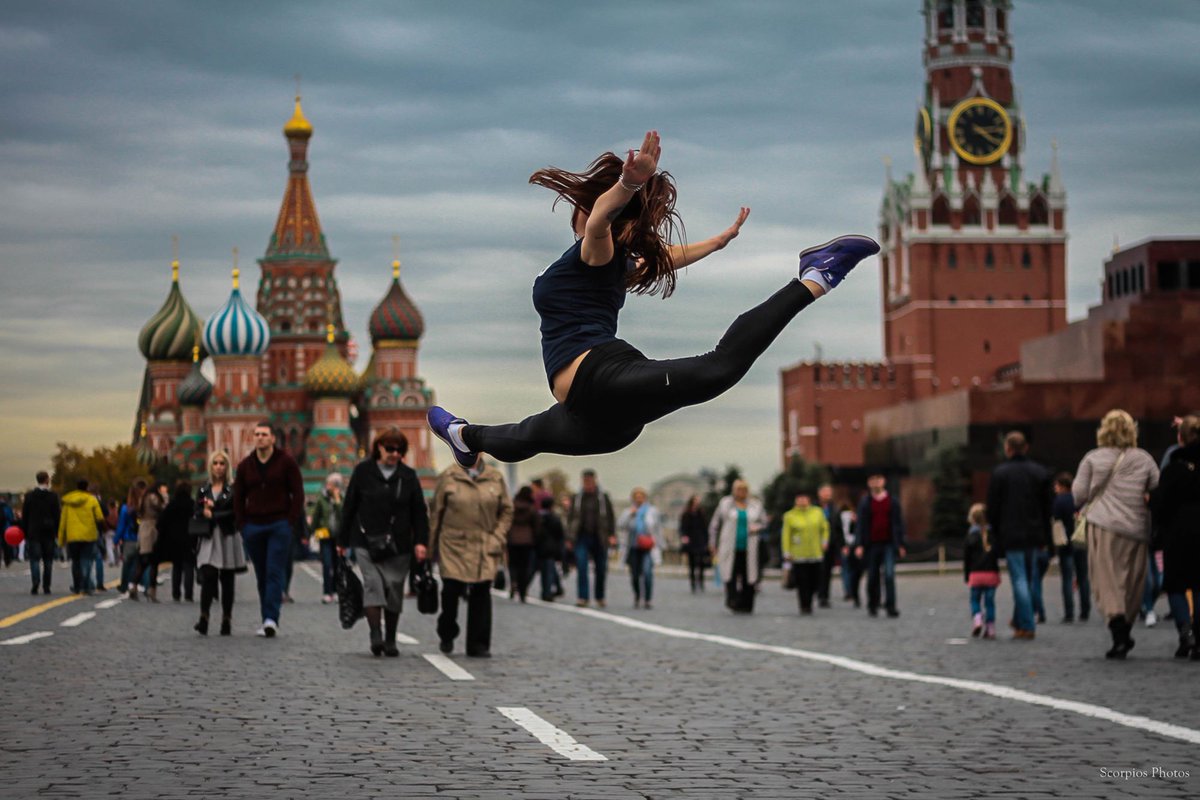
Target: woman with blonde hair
(735, 526)
(1112, 485)
(221, 555)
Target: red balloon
(14, 536)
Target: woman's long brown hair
(643, 230)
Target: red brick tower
(974, 254)
(973, 258)
(298, 296)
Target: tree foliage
(800, 477)
(108, 470)
(718, 487)
(951, 495)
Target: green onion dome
(396, 317)
(195, 388)
(170, 334)
(331, 375)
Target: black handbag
(381, 547)
(501, 581)
(426, 587)
(350, 594)
(199, 527)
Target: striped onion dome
(331, 375)
(396, 317)
(236, 329)
(195, 388)
(143, 451)
(171, 332)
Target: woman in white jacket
(735, 527)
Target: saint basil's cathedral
(283, 359)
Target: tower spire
(297, 231)
(175, 259)
(396, 258)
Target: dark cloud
(126, 123)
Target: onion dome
(298, 125)
(236, 329)
(170, 333)
(331, 375)
(195, 388)
(396, 317)
(143, 451)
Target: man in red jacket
(268, 501)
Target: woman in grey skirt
(385, 520)
(1113, 482)
(221, 556)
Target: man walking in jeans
(39, 517)
(268, 501)
(1018, 508)
(592, 528)
(880, 540)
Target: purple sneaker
(834, 259)
(440, 421)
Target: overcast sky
(122, 124)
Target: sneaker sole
(852, 236)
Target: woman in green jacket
(805, 537)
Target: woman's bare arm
(684, 254)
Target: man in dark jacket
(836, 540)
(591, 530)
(1018, 507)
(268, 502)
(39, 520)
(880, 541)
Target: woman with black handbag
(385, 520)
(221, 554)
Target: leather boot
(376, 641)
(1122, 641)
(152, 593)
(1187, 642)
(391, 621)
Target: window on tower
(945, 14)
(1026, 259)
(941, 210)
(952, 259)
(987, 346)
(970, 213)
(989, 260)
(1007, 214)
(1169, 278)
(975, 16)
(1039, 214)
(1001, 21)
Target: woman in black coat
(385, 520)
(1176, 507)
(551, 538)
(693, 538)
(175, 545)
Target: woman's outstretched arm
(640, 166)
(684, 254)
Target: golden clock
(980, 130)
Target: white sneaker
(1151, 619)
(270, 627)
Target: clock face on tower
(980, 130)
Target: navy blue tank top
(578, 305)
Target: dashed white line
(556, 739)
(109, 603)
(313, 573)
(1170, 730)
(78, 619)
(405, 639)
(27, 638)
(448, 668)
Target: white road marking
(27, 638)
(312, 572)
(1170, 730)
(448, 668)
(556, 739)
(957, 641)
(405, 639)
(109, 603)
(78, 619)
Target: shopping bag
(350, 594)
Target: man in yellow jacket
(805, 537)
(78, 530)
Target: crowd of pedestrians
(1123, 528)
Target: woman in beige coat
(153, 503)
(471, 515)
(735, 526)
(1116, 480)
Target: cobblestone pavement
(132, 702)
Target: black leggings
(209, 577)
(617, 390)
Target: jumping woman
(606, 390)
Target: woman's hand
(729, 234)
(640, 165)
(420, 552)
(208, 511)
